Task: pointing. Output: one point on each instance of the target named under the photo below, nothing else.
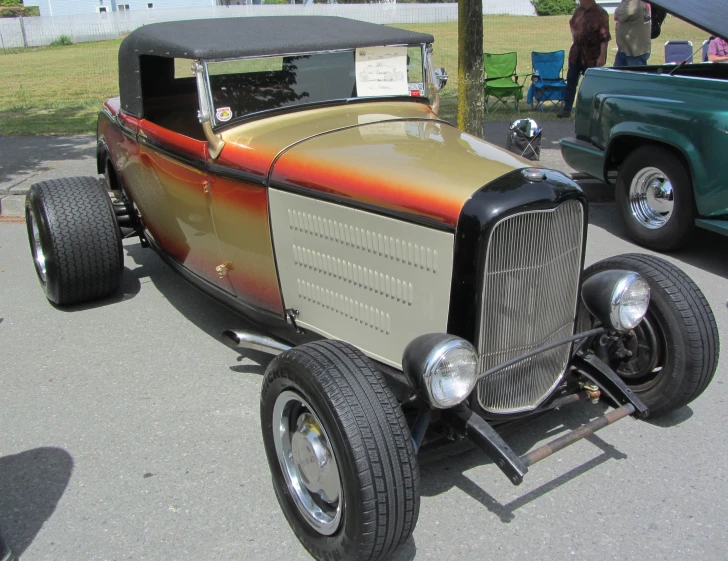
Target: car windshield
(246, 86)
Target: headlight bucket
(619, 299)
(441, 367)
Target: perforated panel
(373, 281)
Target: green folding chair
(501, 81)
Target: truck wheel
(340, 452)
(655, 199)
(675, 348)
(74, 239)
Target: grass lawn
(59, 90)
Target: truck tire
(655, 199)
(340, 452)
(676, 346)
(74, 239)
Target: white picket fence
(41, 31)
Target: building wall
(50, 8)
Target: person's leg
(572, 81)
(637, 60)
(621, 59)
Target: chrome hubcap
(651, 198)
(308, 462)
(37, 247)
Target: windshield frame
(426, 76)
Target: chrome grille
(529, 299)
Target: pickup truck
(664, 131)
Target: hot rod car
(415, 283)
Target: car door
(176, 201)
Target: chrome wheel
(308, 462)
(37, 247)
(651, 198)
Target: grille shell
(529, 298)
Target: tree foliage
(554, 7)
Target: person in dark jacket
(590, 33)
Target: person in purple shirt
(718, 50)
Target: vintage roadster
(415, 283)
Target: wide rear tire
(74, 239)
(677, 347)
(340, 452)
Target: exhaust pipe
(250, 340)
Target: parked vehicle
(662, 129)
(414, 282)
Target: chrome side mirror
(441, 78)
(204, 114)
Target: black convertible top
(246, 36)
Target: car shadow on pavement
(202, 311)
(31, 484)
(441, 475)
(23, 156)
(706, 251)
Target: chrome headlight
(619, 299)
(443, 368)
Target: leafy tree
(554, 7)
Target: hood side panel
(423, 168)
(364, 278)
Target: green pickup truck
(664, 131)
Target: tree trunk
(470, 66)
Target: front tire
(675, 347)
(340, 452)
(654, 196)
(74, 239)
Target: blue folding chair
(678, 51)
(547, 82)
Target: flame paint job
(426, 168)
(243, 230)
(253, 146)
(392, 155)
(199, 230)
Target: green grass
(59, 90)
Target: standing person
(633, 27)
(718, 50)
(590, 33)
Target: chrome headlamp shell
(619, 299)
(441, 367)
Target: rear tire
(654, 196)
(354, 493)
(677, 344)
(74, 239)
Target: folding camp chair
(706, 48)
(678, 51)
(547, 81)
(501, 81)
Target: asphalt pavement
(129, 431)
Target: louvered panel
(529, 299)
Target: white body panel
(369, 280)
